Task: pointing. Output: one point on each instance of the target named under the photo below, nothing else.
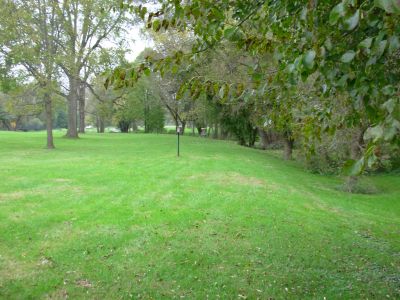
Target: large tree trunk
(263, 138)
(355, 153)
(288, 146)
(101, 125)
(82, 95)
(253, 137)
(49, 121)
(72, 107)
(124, 126)
(198, 129)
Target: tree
(85, 25)
(28, 36)
(347, 47)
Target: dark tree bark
(49, 121)
(82, 101)
(252, 137)
(72, 107)
(97, 124)
(124, 126)
(263, 138)
(288, 143)
(101, 125)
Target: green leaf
(380, 48)
(232, 34)
(374, 133)
(394, 44)
(388, 90)
(389, 105)
(174, 69)
(366, 43)
(336, 13)
(328, 44)
(156, 25)
(229, 32)
(352, 22)
(239, 89)
(181, 91)
(222, 90)
(343, 80)
(390, 6)
(143, 12)
(308, 59)
(257, 76)
(353, 167)
(348, 57)
(291, 68)
(147, 71)
(390, 133)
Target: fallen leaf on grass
(84, 283)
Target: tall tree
(29, 34)
(85, 26)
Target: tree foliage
(346, 49)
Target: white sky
(137, 43)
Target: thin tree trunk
(97, 124)
(215, 133)
(49, 121)
(183, 127)
(355, 152)
(134, 126)
(288, 147)
(253, 137)
(82, 100)
(263, 138)
(72, 108)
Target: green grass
(119, 216)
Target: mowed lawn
(119, 216)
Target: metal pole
(178, 144)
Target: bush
(329, 153)
(34, 124)
(171, 131)
(61, 120)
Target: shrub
(34, 124)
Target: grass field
(119, 216)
